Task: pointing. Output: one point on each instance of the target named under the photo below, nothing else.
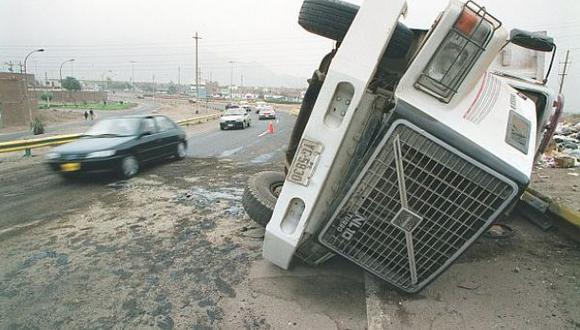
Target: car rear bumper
(79, 166)
(232, 125)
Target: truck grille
(415, 207)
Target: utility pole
(231, 78)
(564, 72)
(132, 72)
(197, 37)
(153, 88)
(179, 79)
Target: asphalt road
(249, 145)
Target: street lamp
(60, 69)
(231, 78)
(40, 50)
(132, 72)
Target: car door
(149, 143)
(167, 135)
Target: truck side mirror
(531, 40)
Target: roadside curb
(563, 216)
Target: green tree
(171, 88)
(71, 84)
(47, 97)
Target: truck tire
(332, 19)
(260, 195)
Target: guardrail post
(27, 153)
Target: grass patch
(92, 106)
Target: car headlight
(100, 154)
(457, 53)
(52, 155)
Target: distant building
(17, 107)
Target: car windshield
(115, 127)
(235, 111)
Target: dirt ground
(560, 184)
(174, 109)
(155, 251)
(529, 281)
(171, 248)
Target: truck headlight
(101, 154)
(458, 53)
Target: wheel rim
(276, 188)
(130, 166)
(181, 150)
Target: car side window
(164, 124)
(149, 126)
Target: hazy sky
(107, 34)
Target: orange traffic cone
(270, 128)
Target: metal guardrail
(29, 144)
(20, 145)
(197, 120)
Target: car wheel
(332, 19)
(249, 123)
(180, 152)
(129, 167)
(260, 195)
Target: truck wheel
(260, 195)
(332, 19)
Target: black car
(120, 145)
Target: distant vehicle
(232, 106)
(247, 107)
(235, 117)
(120, 145)
(260, 105)
(267, 113)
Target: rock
(564, 161)
(469, 285)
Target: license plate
(304, 162)
(230, 125)
(70, 167)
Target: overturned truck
(407, 146)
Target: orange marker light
(467, 22)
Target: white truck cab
(411, 147)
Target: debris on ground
(564, 149)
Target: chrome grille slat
(422, 203)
